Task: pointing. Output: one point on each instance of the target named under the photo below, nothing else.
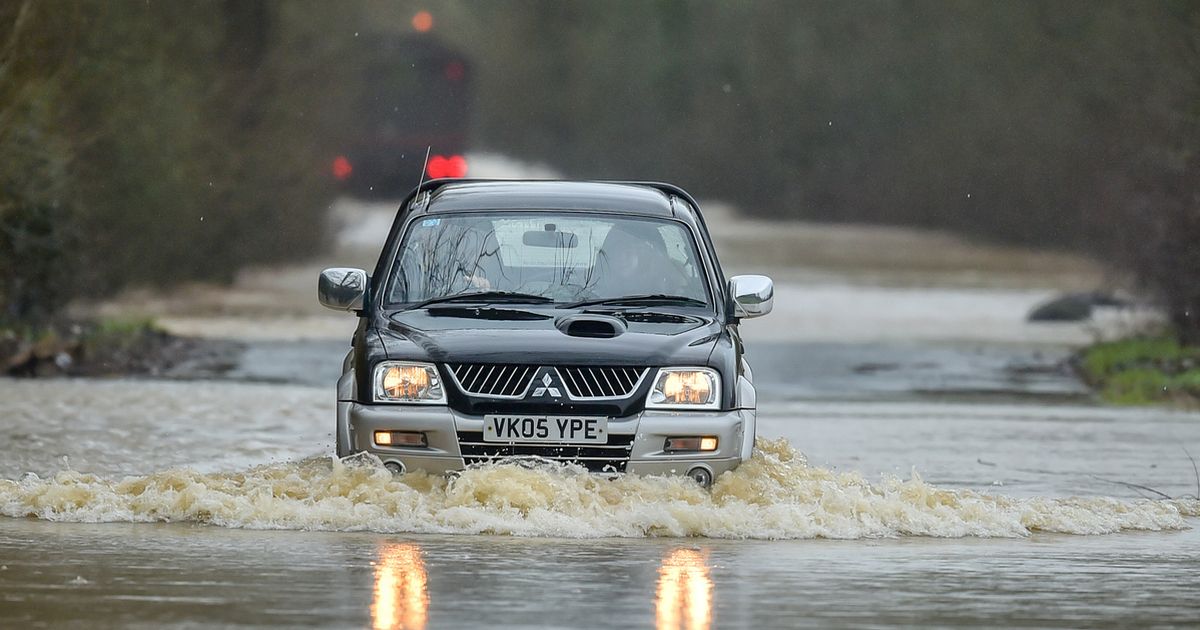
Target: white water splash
(776, 495)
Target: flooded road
(178, 575)
(148, 501)
(925, 462)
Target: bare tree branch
(1195, 470)
(1135, 487)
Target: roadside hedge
(152, 143)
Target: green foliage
(1069, 125)
(1108, 358)
(1143, 370)
(153, 143)
(1138, 386)
(992, 118)
(34, 233)
(109, 336)
(1144, 386)
(124, 327)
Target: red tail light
(436, 168)
(456, 166)
(422, 21)
(441, 166)
(342, 168)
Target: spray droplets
(775, 495)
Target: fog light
(400, 438)
(693, 444)
(701, 476)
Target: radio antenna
(424, 165)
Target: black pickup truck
(587, 323)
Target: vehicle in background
(580, 322)
(416, 97)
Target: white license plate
(533, 428)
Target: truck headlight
(685, 388)
(406, 381)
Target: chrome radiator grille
(601, 382)
(581, 383)
(501, 381)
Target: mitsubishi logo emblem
(546, 388)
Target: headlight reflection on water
(401, 601)
(401, 593)
(684, 598)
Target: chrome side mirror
(342, 288)
(753, 296)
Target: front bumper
(649, 430)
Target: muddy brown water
(926, 466)
(176, 504)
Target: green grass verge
(96, 337)
(1145, 370)
(120, 335)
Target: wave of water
(776, 495)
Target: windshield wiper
(485, 296)
(650, 298)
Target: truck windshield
(562, 257)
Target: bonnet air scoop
(590, 326)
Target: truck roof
(634, 198)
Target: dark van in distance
(415, 98)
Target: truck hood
(503, 335)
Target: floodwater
(178, 575)
(924, 462)
(141, 503)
